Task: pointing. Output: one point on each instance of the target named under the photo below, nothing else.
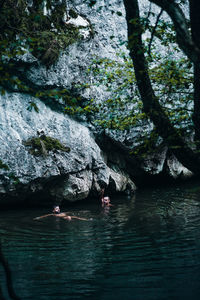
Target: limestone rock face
(61, 175)
(90, 164)
(161, 164)
(58, 174)
(109, 30)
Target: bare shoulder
(67, 218)
(61, 215)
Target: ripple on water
(143, 248)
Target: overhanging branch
(154, 30)
(151, 104)
(179, 20)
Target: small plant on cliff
(39, 29)
(25, 27)
(3, 166)
(42, 145)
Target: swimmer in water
(105, 200)
(56, 212)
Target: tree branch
(151, 104)
(184, 38)
(2, 3)
(1, 295)
(154, 30)
(8, 276)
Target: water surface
(144, 248)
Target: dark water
(143, 248)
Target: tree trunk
(195, 29)
(2, 3)
(9, 282)
(151, 104)
(196, 113)
(195, 20)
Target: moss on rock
(28, 27)
(3, 166)
(73, 13)
(42, 145)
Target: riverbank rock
(49, 154)
(159, 166)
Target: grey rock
(82, 172)
(75, 60)
(62, 175)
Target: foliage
(29, 29)
(10, 175)
(26, 29)
(171, 76)
(3, 166)
(13, 178)
(116, 78)
(172, 82)
(69, 98)
(150, 142)
(42, 145)
(123, 108)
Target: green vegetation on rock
(3, 166)
(42, 145)
(39, 28)
(27, 28)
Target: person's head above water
(105, 200)
(56, 209)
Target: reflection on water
(143, 248)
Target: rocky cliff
(47, 154)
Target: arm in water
(41, 217)
(56, 212)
